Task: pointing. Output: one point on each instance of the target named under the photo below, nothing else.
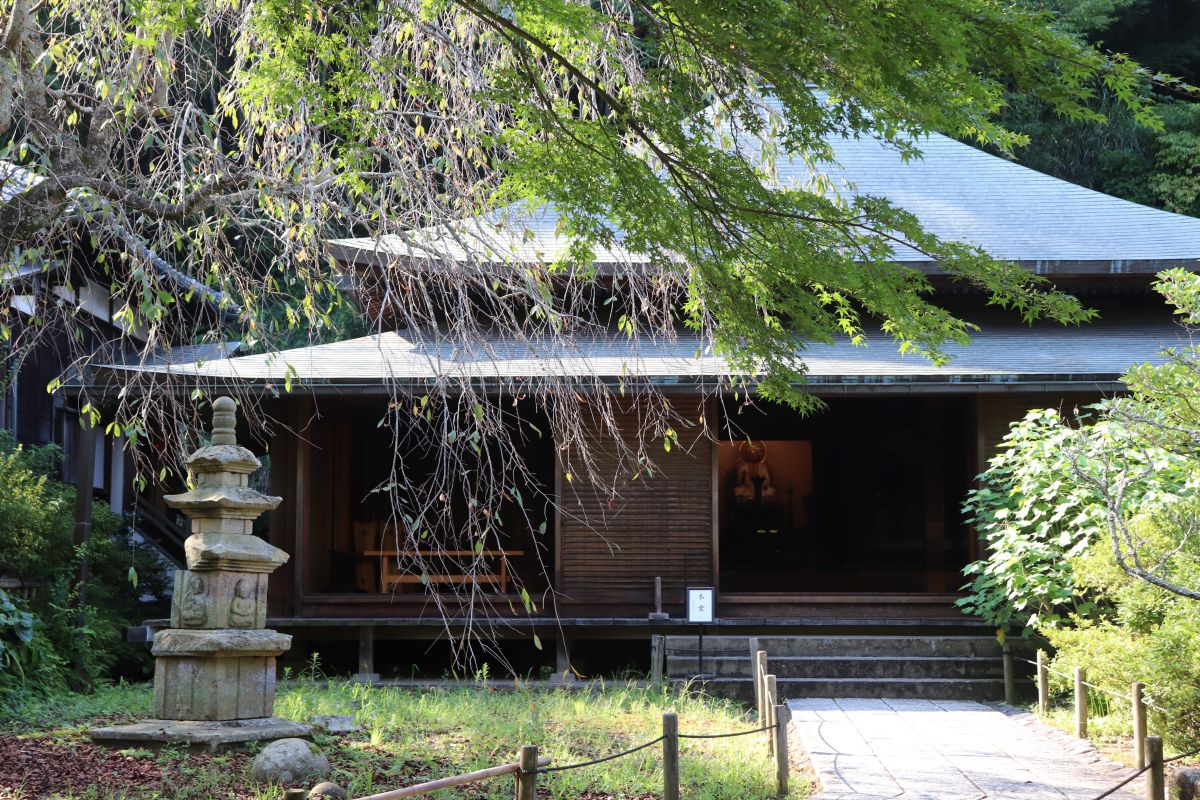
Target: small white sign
(701, 604)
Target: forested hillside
(1158, 168)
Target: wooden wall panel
(996, 412)
(612, 545)
(321, 497)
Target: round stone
(328, 789)
(289, 762)
(1187, 783)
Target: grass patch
(411, 736)
(117, 703)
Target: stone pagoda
(214, 668)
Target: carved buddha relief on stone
(243, 609)
(194, 605)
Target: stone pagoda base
(198, 736)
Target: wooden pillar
(563, 676)
(283, 522)
(975, 459)
(85, 467)
(712, 412)
(770, 700)
(302, 501)
(366, 656)
(935, 499)
(342, 512)
(658, 657)
(760, 689)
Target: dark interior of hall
(862, 496)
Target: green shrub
(1139, 632)
(1113, 656)
(1033, 519)
(37, 543)
(1052, 569)
(29, 664)
(1173, 675)
(1036, 517)
(1091, 529)
(27, 509)
(16, 634)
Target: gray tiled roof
(1099, 352)
(1014, 213)
(515, 233)
(958, 192)
(186, 356)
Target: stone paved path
(945, 750)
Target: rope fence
(670, 740)
(1182, 756)
(728, 735)
(530, 765)
(601, 760)
(1156, 782)
(1147, 750)
(1101, 689)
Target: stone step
(849, 646)
(845, 667)
(983, 689)
(949, 667)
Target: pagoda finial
(224, 421)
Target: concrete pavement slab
(870, 749)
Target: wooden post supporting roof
(303, 477)
(935, 498)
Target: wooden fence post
(1081, 709)
(782, 765)
(670, 757)
(1156, 783)
(1010, 680)
(754, 674)
(760, 666)
(1043, 682)
(1139, 726)
(527, 777)
(770, 700)
(658, 657)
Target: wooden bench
(390, 575)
